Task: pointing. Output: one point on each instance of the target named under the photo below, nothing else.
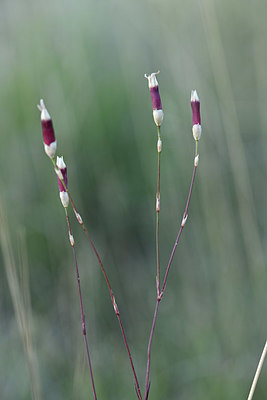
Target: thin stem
(258, 371)
(185, 215)
(147, 383)
(115, 306)
(81, 304)
(157, 215)
(116, 309)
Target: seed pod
(50, 144)
(195, 105)
(155, 98)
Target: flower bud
(159, 145)
(71, 239)
(184, 220)
(155, 97)
(50, 144)
(79, 218)
(195, 105)
(157, 202)
(62, 171)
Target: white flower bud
(44, 113)
(64, 199)
(152, 80)
(194, 96)
(158, 202)
(159, 145)
(196, 131)
(71, 239)
(60, 163)
(184, 220)
(158, 117)
(79, 218)
(51, 149)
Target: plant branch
(185, 215)
(115, 306)
(157, 213)
(81, 304)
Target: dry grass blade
(258, 371)
(19, 289)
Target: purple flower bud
(62, 174)
(195, 105)
(50, 144)
(155, 97)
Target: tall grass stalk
(235, 143)
(18, 283)
(258, 371)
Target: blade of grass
(20, 295)
(258, 371)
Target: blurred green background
(87, 59)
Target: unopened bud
(196, 160)
(50, 144)
(115, 306)
(64, 197)
(195, 105)
(158, 202)
(196, 129)
(155, 98)
(71, 239)
(184, 220)
(61, 170)
(159, 145)
(79, 218)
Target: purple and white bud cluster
(61, 171)
(50, 144)
(195, 105)
(50, 147)
(155, 97)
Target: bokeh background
(87, 59)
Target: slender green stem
(157, 213)
(81, 304)
(185, 215)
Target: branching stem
(159, 297)
(116, 309)
(81, 304)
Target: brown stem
(147, 383)
(116, 309)
(81, 305)
(117, 312)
